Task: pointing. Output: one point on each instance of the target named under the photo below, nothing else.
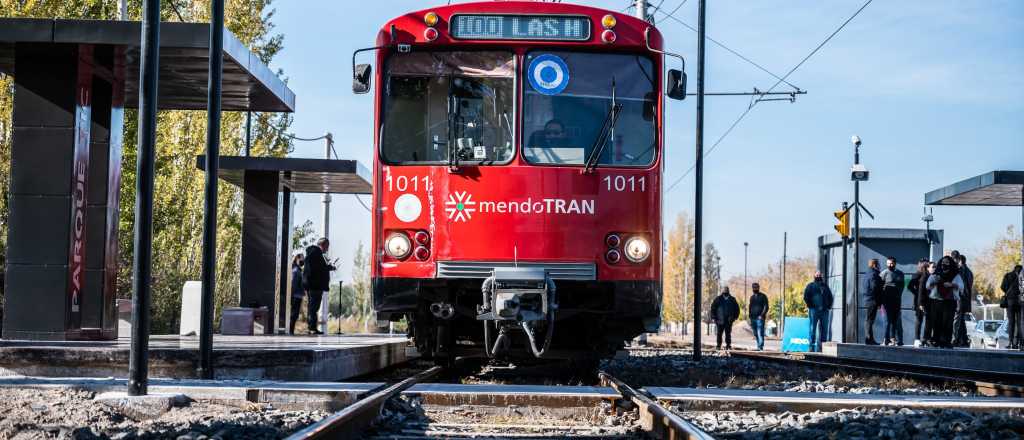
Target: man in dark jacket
(724, 311)
(757, 310)
(1011, 292)
(818, 298)
(963, 306)
(893, 283)
(316, 279)
(871, 291)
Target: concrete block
(124, 317)
(145, 407)
(191, 303)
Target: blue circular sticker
(548, 74)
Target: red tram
(518, 178)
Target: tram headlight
(637, 249)
(422, 253)
(397, 246)
(609, 21)
(430, 19)
(613, 256)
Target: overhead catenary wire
(781, 80)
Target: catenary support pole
(745, 297)
(122, 13)
(856, 248)
(213, 104)
(846, 270)
(782, 308)
(142, 264)
(641, 9)
(325, 300)
(698, 211)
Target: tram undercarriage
(519, 313)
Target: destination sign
(520, 27)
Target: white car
(1003, 336)
(985, 336)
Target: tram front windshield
(566, 101)
(437, 102)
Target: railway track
(649, 420)
(983, 382)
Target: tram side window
(566, 100)
(437, 102)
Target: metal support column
(698, 211)
(856, 247)
(248, 134)
(138, 368)
(326, 198)
(213, 104)
(846, 269)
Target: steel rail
(657, 420)
(352, 420)
(937, 374)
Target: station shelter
(907, 245)
(73, 79)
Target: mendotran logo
(461, 206)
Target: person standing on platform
(1011, 296)
(1020, 315)
(963, 306)
(945, 286)
(297, 292)
(871, 291)
(920, 299)
(818, 298)
(316, 279)
(724, 311)
(893, 283)
(757, 310)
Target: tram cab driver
(554, 135)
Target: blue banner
(796, 334)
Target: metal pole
(745, 297)
(641, 9)
(248, 133)
(856, 247)
(782, 308)
(122, 13)
(698, 211)
(846, 270)
(138, 363)
(326, 198)
(209, 276)
(341, 285)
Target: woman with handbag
(945, 286)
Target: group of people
(725, 311)
(311, 277)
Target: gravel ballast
(675, 368)
(69, 413)
(885, 423)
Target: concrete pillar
(59, 204)
(259, 242)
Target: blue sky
(934, 89)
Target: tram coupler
(518, 298)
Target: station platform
(297, 358)
(701, 399)
(993, 361)
(288, 396)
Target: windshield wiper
(453, 148)
(607, 132)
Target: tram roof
(629, 30)
(995, 188)
(296, 174)
(184, 61)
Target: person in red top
(945, 286)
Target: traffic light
(844, 223)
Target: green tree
(361, 285)
(994, 261)
(303, 236)
(678, 278)
(181, 136)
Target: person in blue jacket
(871, 291)
(298, 293)
(818, 298)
